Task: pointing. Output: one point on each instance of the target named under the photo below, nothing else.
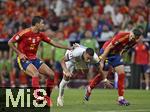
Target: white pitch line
(137, 110)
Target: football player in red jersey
(111, 57)
(28, 41)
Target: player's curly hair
(36, 19)
(137, 32)
(90, 51)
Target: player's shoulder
(42, 34)
(78, 51)
(121, 35)
(22, 32)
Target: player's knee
(35, 74)
(51, 75)
(66, 78)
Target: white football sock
(120, 98)
(62, 85)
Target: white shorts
(70, 66)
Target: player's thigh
(32, 70)
(45, 70)
(119, 69)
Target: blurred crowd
(88, 22)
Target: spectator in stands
(106, 33)
(148, 28)
(5, 66)
(141, 22)
(96, 29)
(58, 54)
(89, 41)
(129, 26)
(141, 57)
(117, 17)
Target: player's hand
(101, 58)
(75, 45)
(107, 83)
(22, 56)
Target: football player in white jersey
(76, 59)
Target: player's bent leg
(121, 77)
(91, 86)
(44, 69)
(62, 85)
(88, 91)
(32, 71)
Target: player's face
(87, 57)
(40, 26)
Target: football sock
(62, 85)
(56, 78)
(49, 86)
(121, 78)
(95, 81)
(35, 82)
(35, 85)
(120, 98)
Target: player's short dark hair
(36, 19)
(137, 32)
(90, 51)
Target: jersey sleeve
(15, 38)
(77, 52)
(19, 35)
(45, 38)
(95, 58)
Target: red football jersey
(120, 42)
(28, 42)
(141, 54)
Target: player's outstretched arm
(105, 81)
(59, 45)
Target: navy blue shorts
(113, 60)
(144, 68)
(23, 64)
(58, 67)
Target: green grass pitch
(102, 100)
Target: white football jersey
(76, 61)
